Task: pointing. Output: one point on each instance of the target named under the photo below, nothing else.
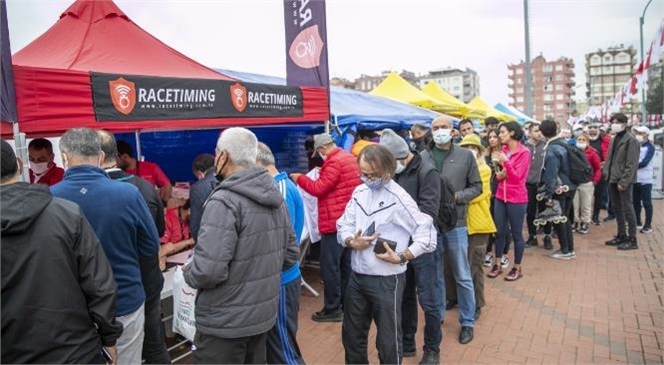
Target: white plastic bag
(184, 303)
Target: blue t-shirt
(122, 222)
(295, 206)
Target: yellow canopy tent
(479, 103)
(395, 87)
(463, 110)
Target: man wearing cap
(339, 175)
(620, 170)
(644, 178)
(420, 180)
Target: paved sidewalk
(603, 307)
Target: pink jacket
(513, 188)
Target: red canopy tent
(53, 74)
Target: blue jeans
(421, 278)
(512, 215)
(456, 248)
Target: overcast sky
(367, 37)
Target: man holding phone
(382, 207)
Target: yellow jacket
(479, 218)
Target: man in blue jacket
(121, 219)
(282, 347)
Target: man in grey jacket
(458, 165)
(620, 169)
(244, 242)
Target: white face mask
(593, 138)
(582, 145)
(442, 136)
(617, 127)
(399, 169)
(39, 168)
(639, 138)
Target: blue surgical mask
(442, 136)
(373, 184)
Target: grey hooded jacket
(244, 242)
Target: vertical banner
(8, 99)
(306, 43)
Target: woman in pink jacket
(511, 196)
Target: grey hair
(241, 145)
(81, 142)
(265, 156)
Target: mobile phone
(379, 248)
(371, 230)
(107, 357)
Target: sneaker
(548, 244)
(504, 262)
(495, 271)
(639, 225)
(466, 335)
(561, 256)
(572, 254)
(584, 228)
(488, 259)
(514, 274)
(532, 242)
(628, 244)
(646, 229)
(575, 227)
(616, 240)
(322, 316)
(430, 358)
(609, 218)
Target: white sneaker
(504, 262)
(488, 259)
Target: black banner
(127, 98)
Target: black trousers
(334, 270)
(379, 298)
(154, 342)
(600, 197)
(243, 350)
(623, 208)
(564, 230)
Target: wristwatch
(403, 258)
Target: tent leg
(22, 151)
(139, 154)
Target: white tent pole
(137, 136)
(22, 151)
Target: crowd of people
(403, 220)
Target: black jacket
(422, 182)
(57, 284)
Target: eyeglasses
(370, 177)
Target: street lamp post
(643, 91)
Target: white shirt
(397, 218)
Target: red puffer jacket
(593, 159)
(339, 176)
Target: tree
(655, 100)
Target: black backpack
(580, 171)
(447, 213)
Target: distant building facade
(367, 83)
(342, 82)
(553, 87)
(607, 71)
(463, 85)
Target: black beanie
(8, 162)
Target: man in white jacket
(377, 282)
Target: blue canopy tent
(521, 117)
(351, 111)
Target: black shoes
(548, 244)
(478, 313)
(629, 244)
(532, 242)
(583, 229)
(450, 304)
(609, 218)
(409, 351)
(466, 335)
(430, 358)
(616, 240)
(323, 316)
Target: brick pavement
(603, 307)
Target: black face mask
(217, 171)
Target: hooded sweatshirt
(57, 284)
(244, 243)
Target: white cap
(642, 129)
